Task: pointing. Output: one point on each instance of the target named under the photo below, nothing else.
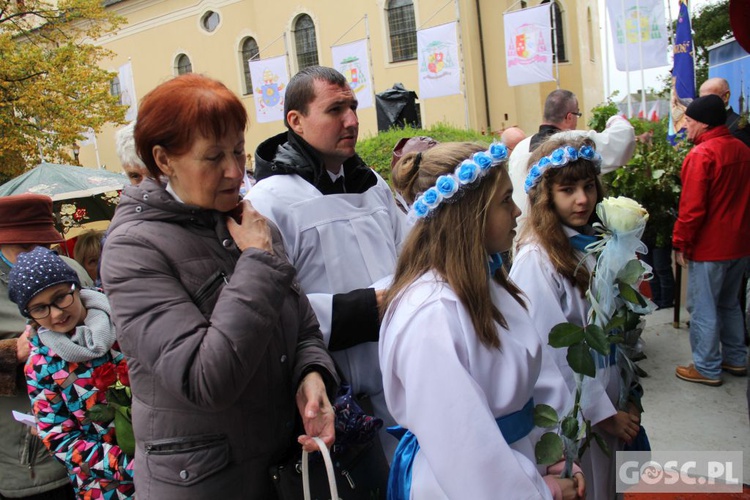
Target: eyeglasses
(41, 311)
(577, 113)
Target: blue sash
(581, 241)
(513, 427)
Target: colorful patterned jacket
(60, 393)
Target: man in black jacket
(720, 87)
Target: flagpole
(463, 71)
(369, 55)
(627, 58)
(96, 151)
(606, 52)
(640, 57)
(554, 44)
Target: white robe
(552, 300)
(337, 243)
(447, 388)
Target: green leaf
(631, 320)
(545, 416)
(580, 360)
(615, 339)
(596, 339)
(617, 321)
(602, 444)
(570, 427)
(101, 413)
(124, 431)
(632, 272)
(565, 335)
(628, 293)
(549, 449)
(118, 397)
(657, 174)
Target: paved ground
(686, 416)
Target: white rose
(621, 214)
(67, 209)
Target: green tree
(52, 87)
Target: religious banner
(127, 90)
(270, 78)
(352, 62)
(437, 54)
(639, 33)
(528, 45)
(683, 74)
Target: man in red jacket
(711, 239)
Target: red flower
(80, 214)
(122, 373)
(104, 376)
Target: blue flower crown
(467, 173)
(559, 158)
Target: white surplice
(553, 299)
(447, 388)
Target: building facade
(163, 38)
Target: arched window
(558, 34)
(183, 64)
(402, 30)
(115, 89)
(305, 42)
(250, 52)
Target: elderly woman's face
(210, 174)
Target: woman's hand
(317, 412)
(623, 425)
(574, 488)
(252, 231)
(23, 347)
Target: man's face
(331, 125)
(718, 89)
(571, 119)
(694, 128)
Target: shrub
(376, 150)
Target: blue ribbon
(494, 262)
(581, 241)
(513, 427)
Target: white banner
(439, 70)
(127, 91)
(270, 79)
(625, 17)
(352, 62)
(528, 45)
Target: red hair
(172, 114)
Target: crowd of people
(232, 323)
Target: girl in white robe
(553, 272)
(458, 353)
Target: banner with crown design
(528, 45)
(437, 60)
(270, 78)
(351, 61)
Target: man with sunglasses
(26, 468)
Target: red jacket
(714, 218)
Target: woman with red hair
(223, 347)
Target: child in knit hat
(72, 348)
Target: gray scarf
(90, 341)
